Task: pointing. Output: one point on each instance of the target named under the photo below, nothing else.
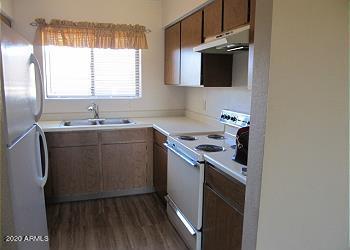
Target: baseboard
(102, 195)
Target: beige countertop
(224, 162)
(165, 125)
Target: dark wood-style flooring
(133, 222)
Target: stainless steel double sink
(96, 122)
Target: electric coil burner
(187, 138)
(216, 137)
(187, 154)
(209, 148)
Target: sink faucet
(94, 109)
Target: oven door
(185, 186)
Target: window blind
(92, 73)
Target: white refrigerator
(26, 149)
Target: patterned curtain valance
(91, 35)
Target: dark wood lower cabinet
(222, 228)
(160, 171)
(124, 166)
(88, 164)
(160, 165)
(73, 171)
(222, 213)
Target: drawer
(231, 190)
(71, 139)
(159, 138)
(126, 135)
(192, 239)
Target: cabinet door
(172, 55)
(71, 139)
(191, 36)
(160, 171)
(74, 171)
(235, 13)
(213, 19)
(222, 224)
(124, 166)
(217, 70)
(227, 187)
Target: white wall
(175, 9)
(304, 193)
(208, 102)
(6, 7)
(157, 98)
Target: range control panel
(234, 119)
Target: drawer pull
(180, 215)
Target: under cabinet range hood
(226, 43)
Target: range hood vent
(226, 43)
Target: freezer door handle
(43, 179)
(39, 86)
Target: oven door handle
(186, 159)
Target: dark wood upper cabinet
(236, 13)
(172, 55)
(185, 67)
(191, 36)
(212, 19)
(217, 70)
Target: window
(92, 73)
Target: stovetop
(225, 143)
(214, 143)
(216, 136)
(210, 148)
(187, 138)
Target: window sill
(91, 98)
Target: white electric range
(186, 156)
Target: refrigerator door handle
(39, 86)
(43, 179)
